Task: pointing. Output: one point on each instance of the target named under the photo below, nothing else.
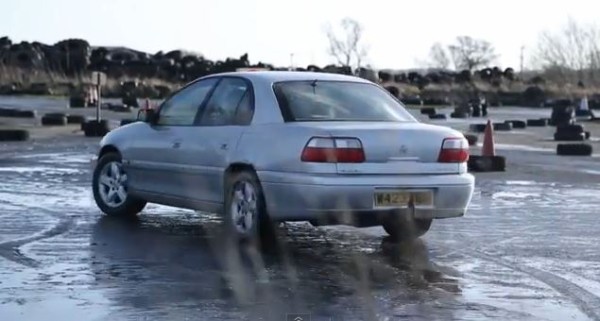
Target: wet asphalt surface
(526, 250)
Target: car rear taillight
(333, 150)
(454, 150)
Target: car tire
(405, 228)
(236, 228)
(105, 181)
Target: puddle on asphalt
(36, 169)
(167, 260)
(524, 148)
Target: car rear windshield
(338, 101)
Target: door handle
(176, 144)
(224, 146)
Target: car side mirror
(148, 115)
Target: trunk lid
(395, 148)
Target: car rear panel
(394, 148)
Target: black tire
(405, 228)
(93, 128)
(502, 126)
(130, 207)
(13, 135)
(459, 115)
(25, 114)
(570, 129)
(477, 128)
(8, 112)
(517, 123)
(262, 228)
(127, 121)
(75, 119)
(472, 139)
(574, 149)
(77, 102)
(428, 111)
(477, 163)
(537, 122)
(437, 116)
(569, 136)
(54, 120)
(121, 109)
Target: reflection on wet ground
(527, 250)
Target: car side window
(222, 107)
(245, 110)
(181, 109)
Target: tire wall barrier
(93, 128)
(478, 163)
(75, 119)
(13, 135)
(574, 149)
(16, 113)
(517, 124)
(472, 139)
(54, 120)
(477, 128)
(437, 116)
(537, 122)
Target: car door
(152, 162)
(207, 151)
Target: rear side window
(230, 104)
(338, 101)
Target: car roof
(277, 76)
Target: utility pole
(292, 61)
(522, 58)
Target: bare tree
(469, 53)
(573, 53)
(438, 58)
(348, 48)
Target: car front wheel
(110, 189)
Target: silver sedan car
(272, 146)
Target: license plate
(402, 198)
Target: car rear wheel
(110, 190)
(245, 214)
(404, 228)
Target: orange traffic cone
(488, 148)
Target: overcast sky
(398, 33)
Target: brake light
(333, 150)
(454, 150)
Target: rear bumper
(313, 197)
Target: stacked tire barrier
(94, 128)
(54, 119)
(127, 121)
(574, 149)
(542, 122)
(437, 116)
(13, 135)
(75, 119)
(570, 133)
(472, 139)
(16, 113)
(478, 163)
(77, 102)
(517, 124)
(502, 126)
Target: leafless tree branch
(572, 53)
(469, 53)
(347, 49)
